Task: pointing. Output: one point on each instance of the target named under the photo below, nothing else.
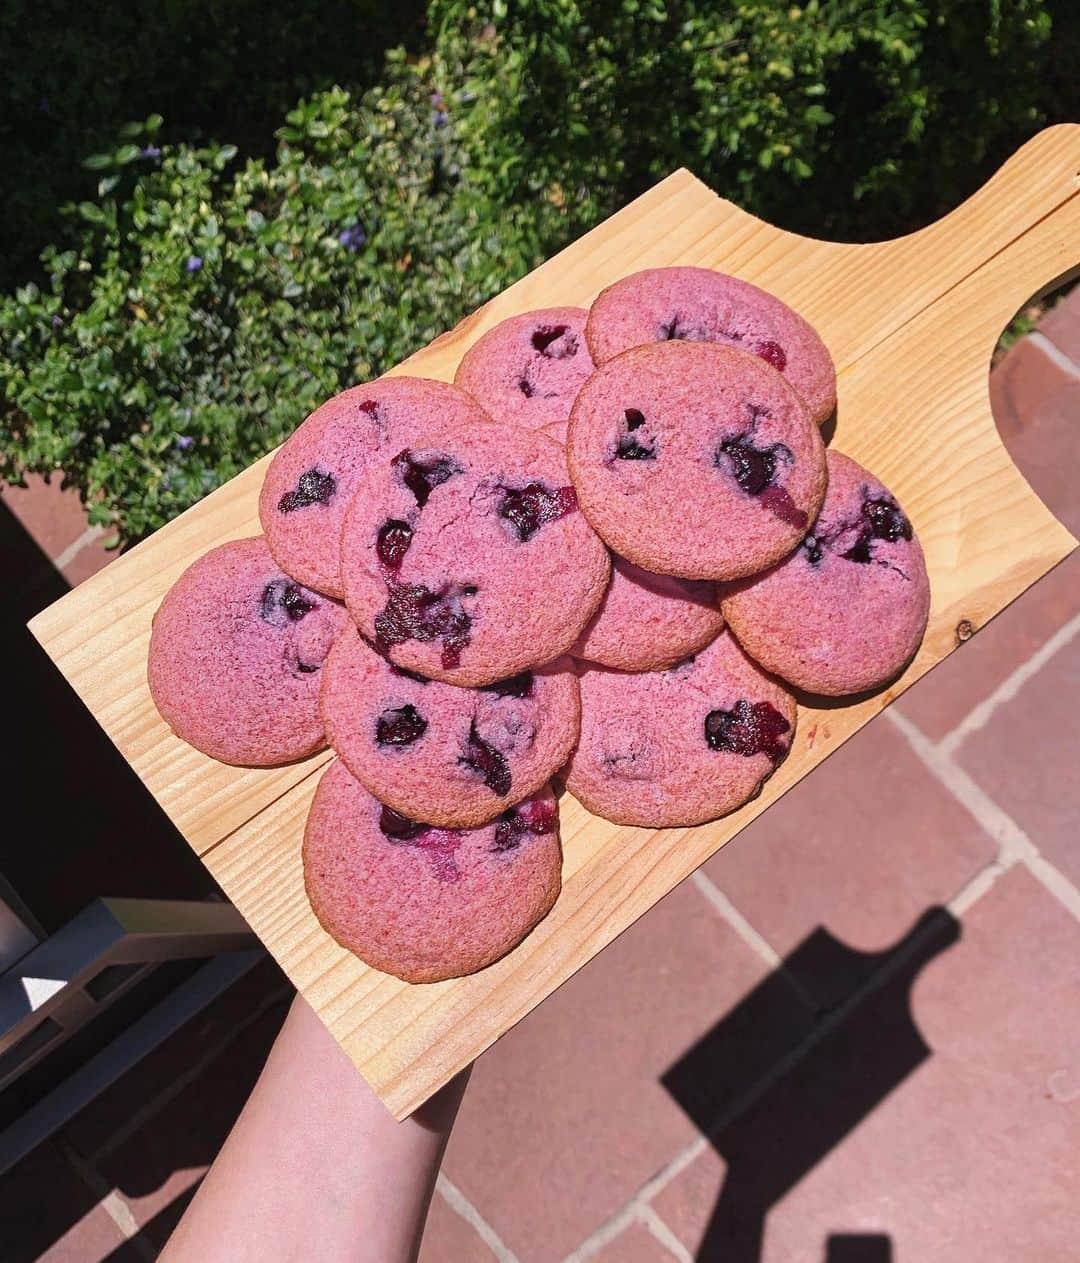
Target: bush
(200, 312)
(198, 307)
(855, 119)
(75, 72)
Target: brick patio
(853, 1036)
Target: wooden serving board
(911, 324)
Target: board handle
(1044, 256)
(1040, 180)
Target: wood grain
(911, 324)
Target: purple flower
(194, 263)
(150, 151)
(441, 118)
(56, 322)
(352, 238)
(185, 442)
(437, 100)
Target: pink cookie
(423, 903)
(465, 557)
(450, 756)
(849, 607)
(681, 746)
(528, 370)
(313, 476)
(235, 657)
(695, 460)
(699, 305)
(649, 621)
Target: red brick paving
(944, 696)
(95, 1236)
(687, 1202)
(976, 1153)
(569, 1105)
(861, 847)
(54, 517)
(966, 1146)
(88, 561)
(1026, 759)
(1048, 454)
(449, 1239)
(1062, 325)
(1028, 382)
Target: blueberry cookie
(313, 475)
(528, 369)
(649, 621)
(423, 903)
(681, 746)
(450, 756)
(236, 654)
(849, 607)
(695, 460)
(465, 557)
(699, 305)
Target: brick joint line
(461, 1206)
(628, 1213)
(73, 549)
(1055, 353)
(111, 1201)
(1014, 845)
(980, 714)
(659, 1229)
(746, 931)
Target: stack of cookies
(612, 552)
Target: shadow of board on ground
(857, 1055)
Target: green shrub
(200, 312)
(850, 118)
(197, 307)
(74, 72)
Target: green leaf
(92, 213)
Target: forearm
(315, 1167)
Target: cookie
(450, 756)
(699, 305)
(236, 653)
(649, 621)
(465, 558)
(695, 460)
(422, 903)
(528, 369)
(681, 746)
(313, 475)
(849, 607)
